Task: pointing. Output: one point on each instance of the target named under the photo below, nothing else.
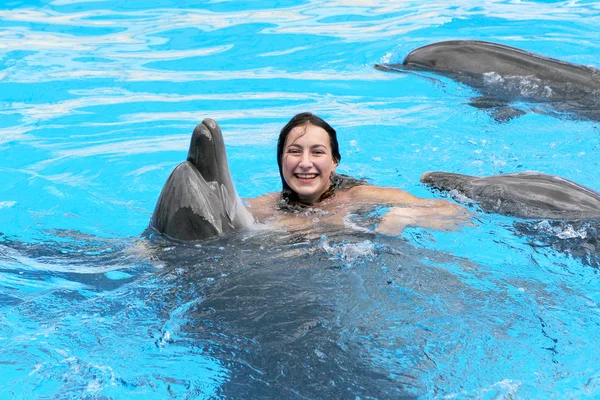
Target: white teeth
(306, 176)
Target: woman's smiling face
(308, 162)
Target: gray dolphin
(199, 199)
(525, 194)
(503, 74)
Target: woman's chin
(308, 197)
(308, 192)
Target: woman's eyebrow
(314, 146)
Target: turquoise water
(98, 101)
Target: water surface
(98, 103)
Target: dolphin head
(451, 57)
(447, 181)
(443, 56)
(468, 56)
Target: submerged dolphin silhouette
(525, 194)
(503, 74)
(199, 199)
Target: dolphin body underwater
(199, 199)
(504, 74)
(530, 195)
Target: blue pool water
(98, 101)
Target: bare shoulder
(262, 207)
(263, 200)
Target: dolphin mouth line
(404, 67)
(391, 67)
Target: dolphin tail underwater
(503, 74)
(525, 195)
(199, 200)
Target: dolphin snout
(426, 177)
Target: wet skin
(308, 162)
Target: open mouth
(306, 176)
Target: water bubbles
(349, 253)
(460, 198)
(164, 339)
(570, 233)
(354, 253)
(492, 78)
(386, 58)
(526, 86)
(562, 231)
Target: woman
(308, 155)
(199, 199)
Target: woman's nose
(306, 160)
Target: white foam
(7, 204)
(386, 58)
(563, 232)
(570, 233)
(350, 252)
(492, 78)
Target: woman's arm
(444, 217)
(410, 210)
(367, 194)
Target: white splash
(350, 252)
(7, 204)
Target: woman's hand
(440, 214)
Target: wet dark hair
(338, 181)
